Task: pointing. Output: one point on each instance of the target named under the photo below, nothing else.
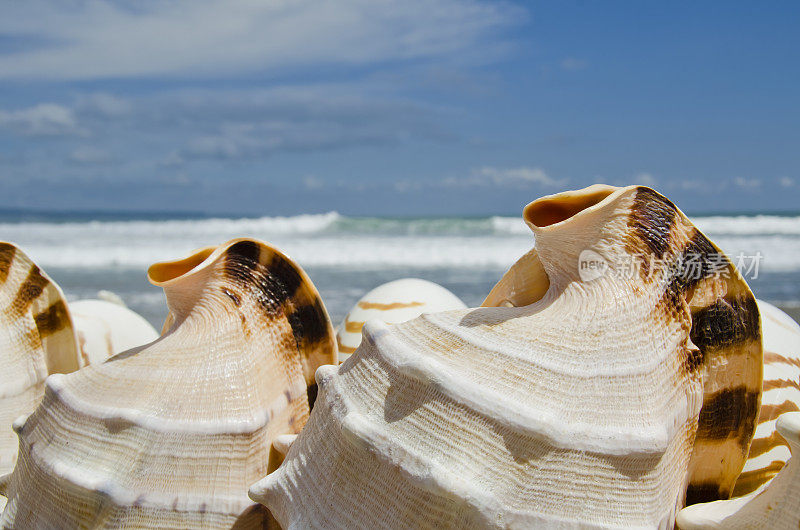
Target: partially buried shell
(606, 401)
(393, 302)
(171, 434)
(104, 328)
(36, 339)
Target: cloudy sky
(406, 107)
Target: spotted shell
(171, 434)
(604, 402)
(393, 302)
(36, 339)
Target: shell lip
(584, 202)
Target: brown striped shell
(596, 403)
(36, 339)
(171, 434)
(703, 290)
(723, 321)
(781, 394)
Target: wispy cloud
(518, 176)
(44, 119)
(104, 39)
(786, 182)
(747, 184)
(646, 179)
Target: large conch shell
(173, 433)
(36, 339)
(775, 506)
(105, 328)
(586, 407)
(393, 302)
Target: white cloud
(44, 119)
(786, 182)
(516, 176)
(748, 184)
(89, 39)
(645, 179)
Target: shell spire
(584, 407)
(172, 433)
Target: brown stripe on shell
(749, 481)
(776, 358)
(52, 319)
(726, 322)
(240, 259)
(762, 445)
(388, 307)
(651, 220)
(342, 347)
(724, 414)
(771, 411)
(7, 253)
(309, 323)
(353, 327)
(30, 290)
(270, 284)
(704, 492)
(772, 384)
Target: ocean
(348, 256)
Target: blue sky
(408, 107)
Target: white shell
(171, 434)
(393, 302)
(106, 328)
(769, 451)
(775, 506)
(585, 408)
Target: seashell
(171, 434)
(36, 339)
(781, 393)
(596, 405)
(105, 328)
(775, 505)
(393, 302)
(781, 386)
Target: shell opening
(557, 208)
(160, 273)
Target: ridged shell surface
(105, 328)
(781, 394)
(393, 302)
(775, 505)
(170, 435)
(36, 339)
(584, 408)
